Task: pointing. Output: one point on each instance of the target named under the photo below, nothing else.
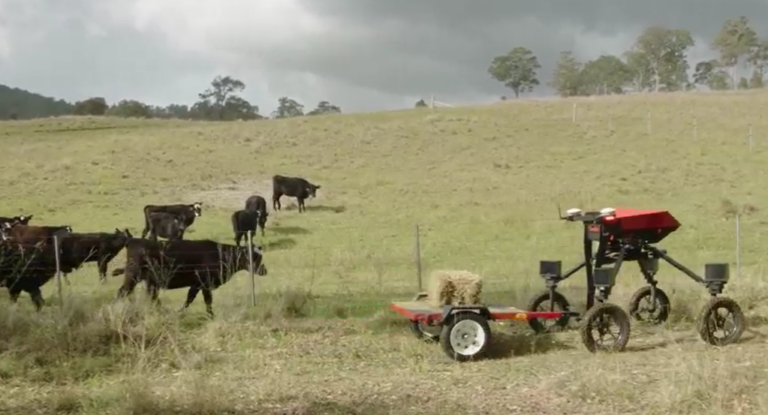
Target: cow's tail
(118, 271)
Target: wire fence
(364, 274)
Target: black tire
(456, 324)
(430, 334)
(661, 309)
(594, 318)
(709, 324)
(538, 325)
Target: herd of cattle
(29, 257)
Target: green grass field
(482, 184)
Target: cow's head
(312, 190)
(21, 220)
(244, 263)
(197, 209)
(122, 237)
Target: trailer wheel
(721, 321)
(610, 323)
(643, 308)
(542, 302)
(430, 334)
(465, 336)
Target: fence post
(648, 121)
(58, 269)
(417, 255)
(695, 128)
(250, 268)
(738, 245)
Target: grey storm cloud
(359, 54)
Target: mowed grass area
(482, 184)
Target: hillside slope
(481, 183)
(25, 105)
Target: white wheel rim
(467, 337)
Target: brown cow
(26, 234)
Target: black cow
(166, 225)
(259, 204)
(26, 267)
(187, 214)
(102, 247)
(294, 187)
(201, 265)
(244, 221)
(16, 220)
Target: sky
(362, 55)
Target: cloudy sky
(359, 54)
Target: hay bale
(450, 287)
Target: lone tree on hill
(288, 108)
(325, 108)
(91, 106)
(221, 103)
(516, 70)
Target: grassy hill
(481, 183)
(22, 104)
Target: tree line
(656, 62)
(220, 102)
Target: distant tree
(663, 53)
(420, 104)
(324, 108)
(221, 103)
(566, 79)
(516, 70)
(91, 106)
(759, 61)
(288, 108)
(130, 108)
(25, 104)
(605, 75)
(734, 42)
(743, 83)
(640, 67)
(709, 73)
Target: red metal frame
(431, 315)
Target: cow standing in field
(102, 247)
(257, 203)
(16, 220)
(201, 265)
(244, 221)
(26, 267)
(296, 187)
(186, 213)
(166, 225)
(27, 234)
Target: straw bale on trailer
(450, 287)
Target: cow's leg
(146, 228)
(238, 238)
(154, 293)
(104, 265)
(301, 204)
(14, 293)
(276, 201)
(191, 295)
(37, 298)
(208, 298)
(126, 289)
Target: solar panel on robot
(630, 235)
